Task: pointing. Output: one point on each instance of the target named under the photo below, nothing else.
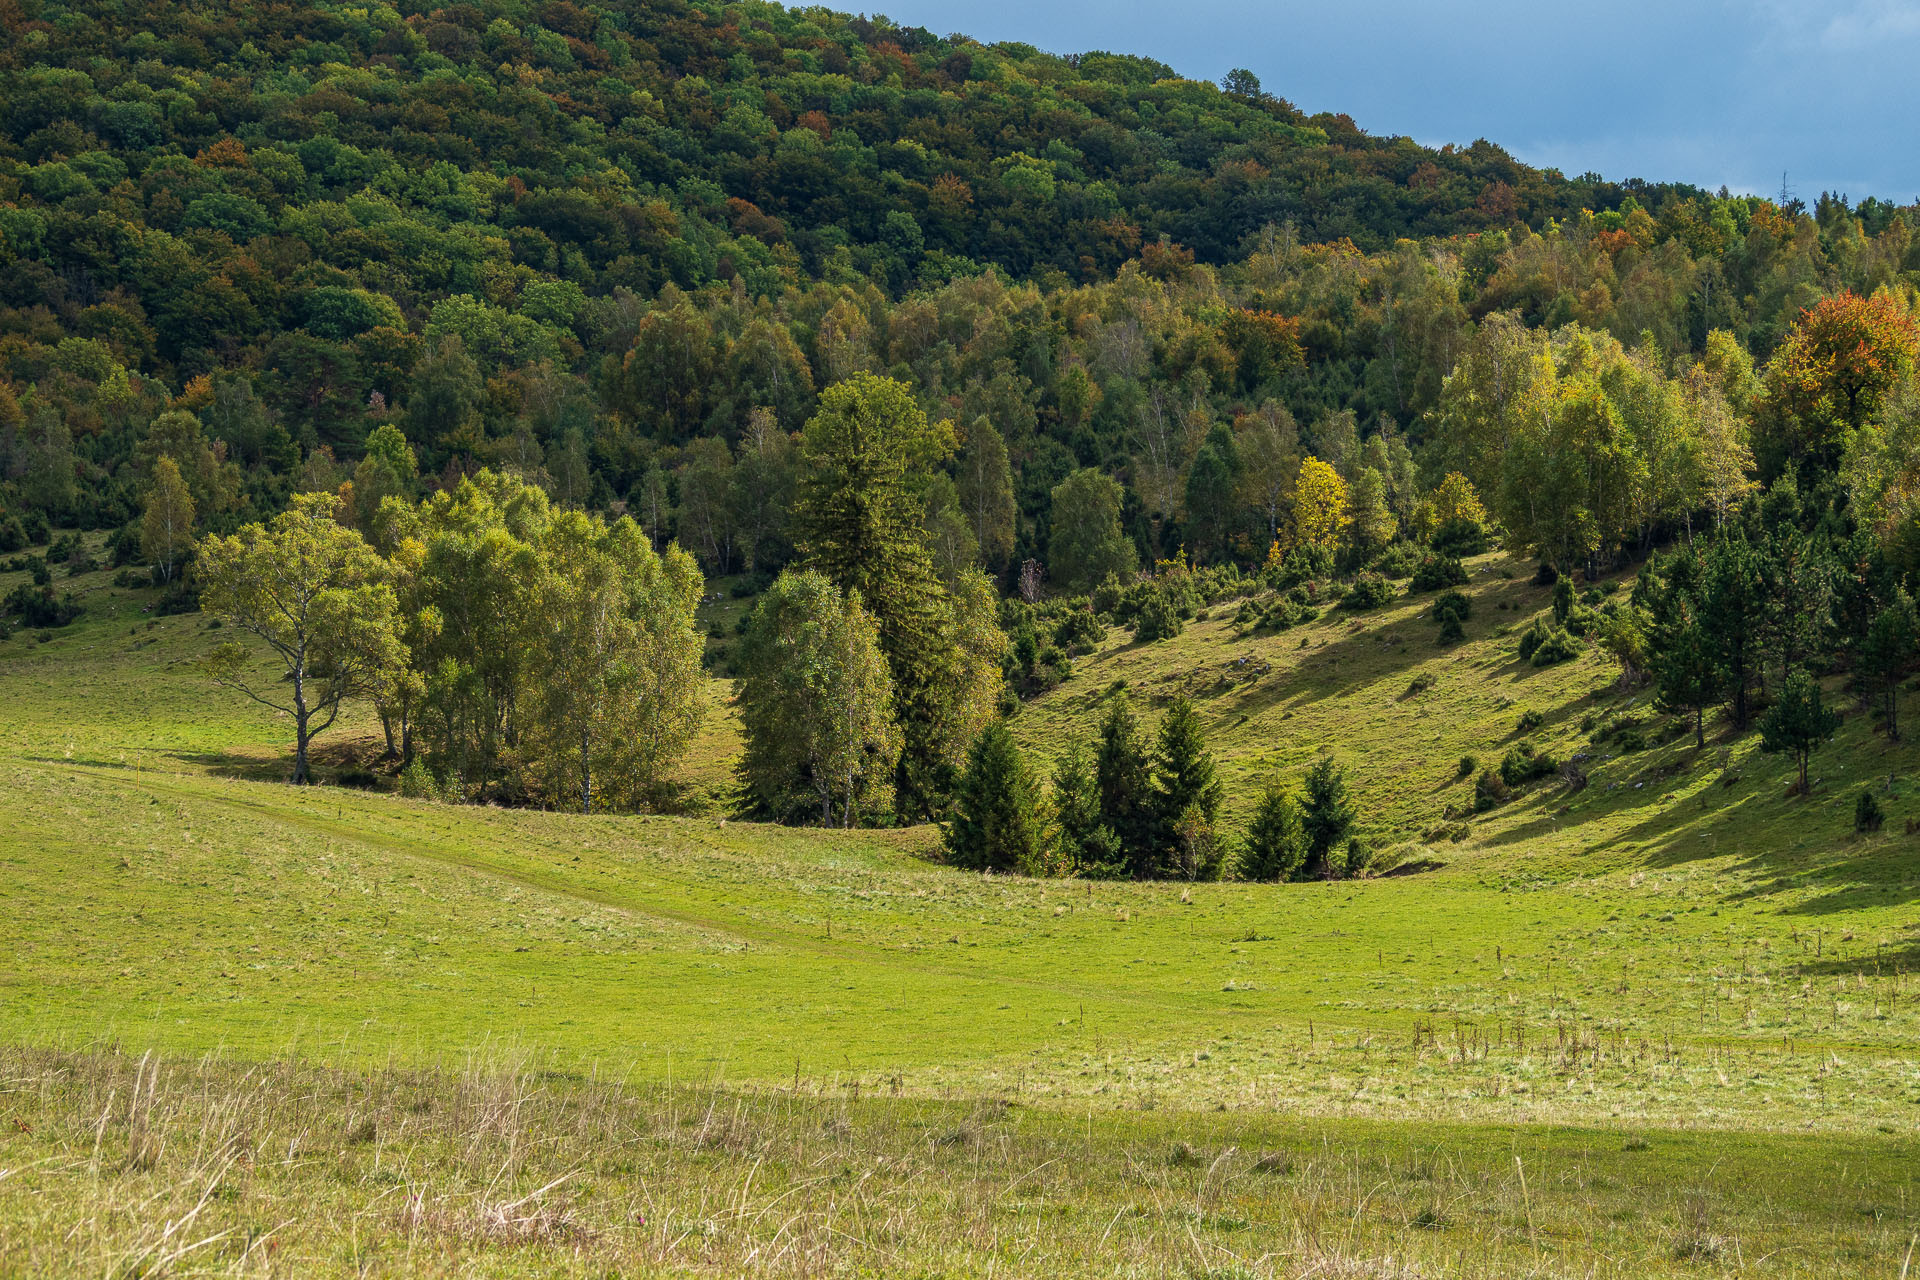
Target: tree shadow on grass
(1836, 958)
(86, 762)
(1787, 844)
(355, 762)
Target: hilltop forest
(950, 355)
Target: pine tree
(1732, 612)
(1797, 722)
(1276, 842)
(1328, 817)
(1686, 665)
(1886, 653)
(1126, 793)
(1084, 844)
(994, 826)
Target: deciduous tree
(1086, 545)
(315, 595)
(816, 702)
(166, 524)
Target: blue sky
(1701, 91)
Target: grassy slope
(1666, 951)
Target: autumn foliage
(1837, 366)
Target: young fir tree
(994, 826)
(1084, 845)
(1186, 796)
(1562, 599)
(1276, 842)
(1797, 723)
(1328, 817)
(1886, 653)
(1126, 792)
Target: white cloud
(1851, 27)
(1871, 25)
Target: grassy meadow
(1664, 1024)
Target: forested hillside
(993, 349)
(641, 223)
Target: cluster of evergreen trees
(1127, 808)
(1788, 591)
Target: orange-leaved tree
(1835, 368)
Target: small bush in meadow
(1369, 591)
(1867, 814)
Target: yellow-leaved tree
(1319, 504)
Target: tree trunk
(301, 717)
(586, 776)
(1699, 728)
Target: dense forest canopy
(643, 222)
(534, 291)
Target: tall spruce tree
(1126, 791)
(1186, 796)
(1084, 845)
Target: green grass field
(1661, 1025)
